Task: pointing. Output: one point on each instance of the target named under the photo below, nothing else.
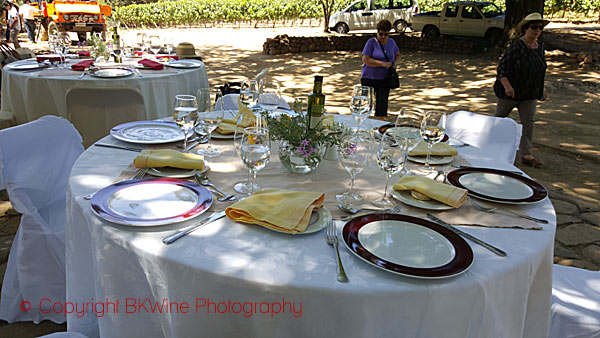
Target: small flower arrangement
(295, 134)
(99, 47)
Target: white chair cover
(500, 136)
(95, 110)
(35, 162)
(575, 311)
(64, 335)
(230, 102)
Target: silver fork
(484, 209)
(396, 209)
(141, 172)
(332, 239)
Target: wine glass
(354, 153)
(433, 129)
(63, 42)
(208, 120)
(407, 131)
(361, 103)
(240, 127)
(269, 99)
(390, 158)
(140, 40)
(186, 113)
(169, 45)
(249, 93)
(255, 150)
(155, 44)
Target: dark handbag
(391, 78)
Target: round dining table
(31, 93)
(229, 279)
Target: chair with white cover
(575, 311)
(230, 102)
(35, 162)
(64, 335)
(500, 136)
(95, 110)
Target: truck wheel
(400, 26)
(431, 32)
(52, 28)
(341, 28)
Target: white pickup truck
(462, 18)
(365, 14)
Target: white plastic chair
(35, 162)
(230, 102)
(575, 311)
(64, 335)
(95, 110)
(497, 135)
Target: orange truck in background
(73, 16)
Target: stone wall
(283, 44)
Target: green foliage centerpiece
(301, 148)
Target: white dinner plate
(26, 65)
(184, 64)
(318, 221)
(404, 196)
(148, 132)
(110, 72)
(496, 186)
(175, 172)
(151, 202)
(432, 159)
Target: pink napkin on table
(82, 65)
(174, 57)
(50, 57)
(152, 64)
(138, 53)
(83, 53)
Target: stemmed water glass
(61, 46)
(354, 153)
(140, 40)
(169, 45)
(155, 44)
(240, 127)
(433, 129)
(208, 121)
(255, 150)
(407, 131)
(361, 103)
(186, 113)
(390, 158)
(269, 99)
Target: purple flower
(351, 149)
(305, 142)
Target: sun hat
(531, 17)
(186, 50)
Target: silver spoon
(203, 180)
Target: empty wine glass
(62, 44)
(361, 103)
(407, 131)
(255, 150)
(241, 124)
(390, 158)
(354, 153)
(208, 121)
(185, 115)
(140, 40)
(433, 129)
(249, 93)
(269, 99)
(155, 44)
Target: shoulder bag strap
(383, 49)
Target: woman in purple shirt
(375, 66)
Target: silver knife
(114, 146)
(178, 235)
(467, 236)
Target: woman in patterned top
(520, 80)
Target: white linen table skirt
(273, 274)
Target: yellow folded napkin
(277, 209)
(157, 158)
(438, 149)
(227, 126)
(441, 192)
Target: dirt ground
(566, 132)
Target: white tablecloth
(29, 96)
(226, 263)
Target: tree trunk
(516, 10)
(327, 6)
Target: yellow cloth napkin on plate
(156, 158)
(227, 126)
(438, 149)
(277, 209)
(441, 192)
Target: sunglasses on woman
(383, 34)
(536, 27)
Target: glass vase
(295, 161)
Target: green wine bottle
(316, 103)
(117, 45)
